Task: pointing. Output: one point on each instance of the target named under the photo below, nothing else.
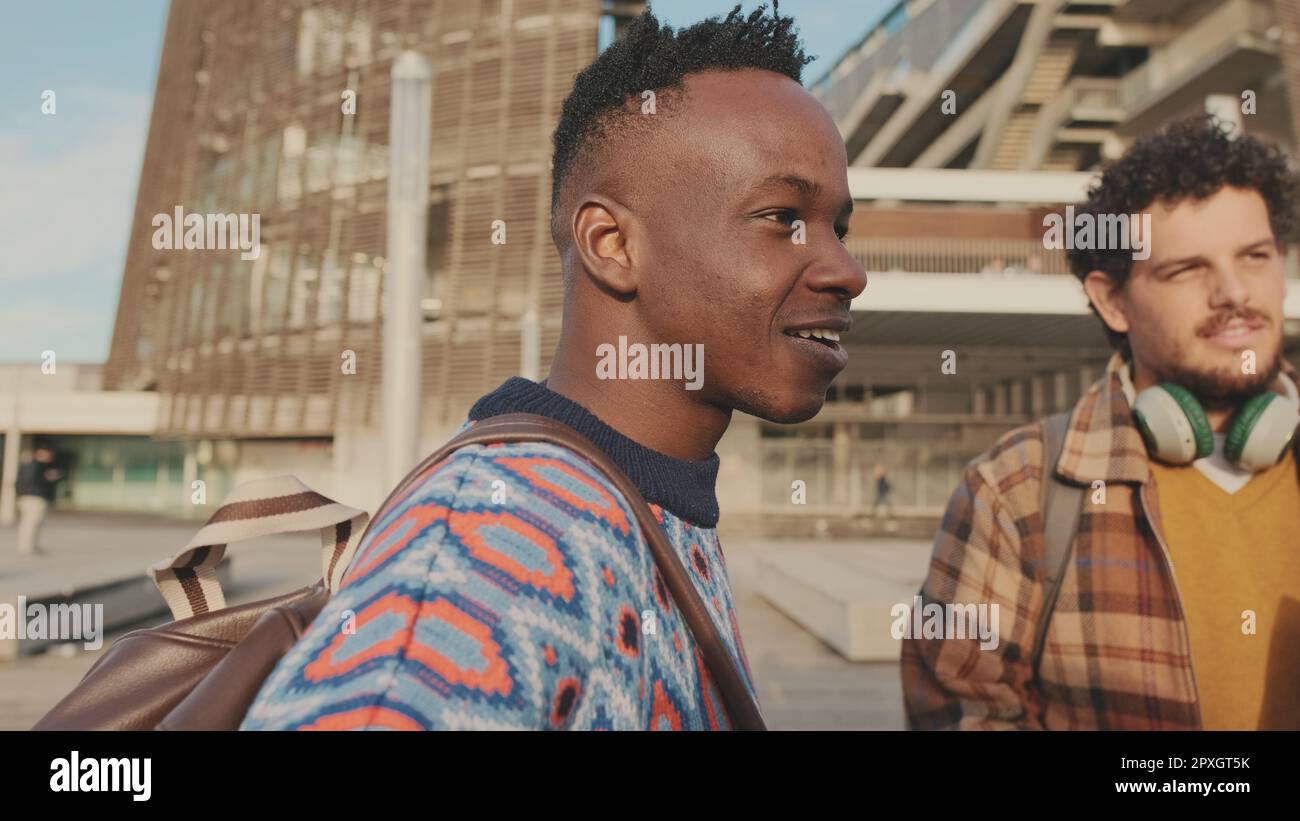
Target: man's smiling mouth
(827, 336)
(819, 340)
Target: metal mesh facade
(249, 117)
(1288, 19)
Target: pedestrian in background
(883, 487)
(37, 477)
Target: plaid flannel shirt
(1117, 654)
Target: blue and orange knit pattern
(509, 589)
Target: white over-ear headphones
(1176, 430)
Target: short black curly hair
(1187, 159)
(650, 57)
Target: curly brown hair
(1186, 159)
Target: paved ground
(803, 683)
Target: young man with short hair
(1179, 607)
(675, 225)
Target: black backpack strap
(1061, 506)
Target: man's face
(1211, 291)
(750, 153)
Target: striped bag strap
(280, 504)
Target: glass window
(363, 293)
(266, 170)
(309, 24)
(196, 307)
(234, 319)
(304, 282)
(293, 145)
(277, 289)
(329, 298)
(318, 163)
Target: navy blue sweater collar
(687, 489)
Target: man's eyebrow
(1253, 245)
(1157, 268)
(803, 185)
(1160, 266)
(793, 181)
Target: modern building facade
(281, 109)
(1056, 84)
(966, 122)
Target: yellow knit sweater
(1237, 565)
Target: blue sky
(68, 179)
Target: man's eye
(785, 217)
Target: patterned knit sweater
(511, 589)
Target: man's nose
(839, 271)
(1228, 286)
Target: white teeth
(819, 333)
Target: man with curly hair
(699, 199)
(1173, 601)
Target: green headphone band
(1201, 430)
(1243, 423)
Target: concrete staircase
(843, 592)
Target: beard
(1217, 390)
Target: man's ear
(1107, 299)
(602, 239)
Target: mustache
(1219, 321)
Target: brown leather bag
(147, 674)
(203, 671)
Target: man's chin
(1225, 384)
(785, 410)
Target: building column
(1060, 391)
(189, 473)
(840, 442)
(161, 478)
(1287, 14)
(119, 482)
(8, 491)
(1017, 403)
(1086, 378)
(408, 209)
(1037, 396)
(1000, 398)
